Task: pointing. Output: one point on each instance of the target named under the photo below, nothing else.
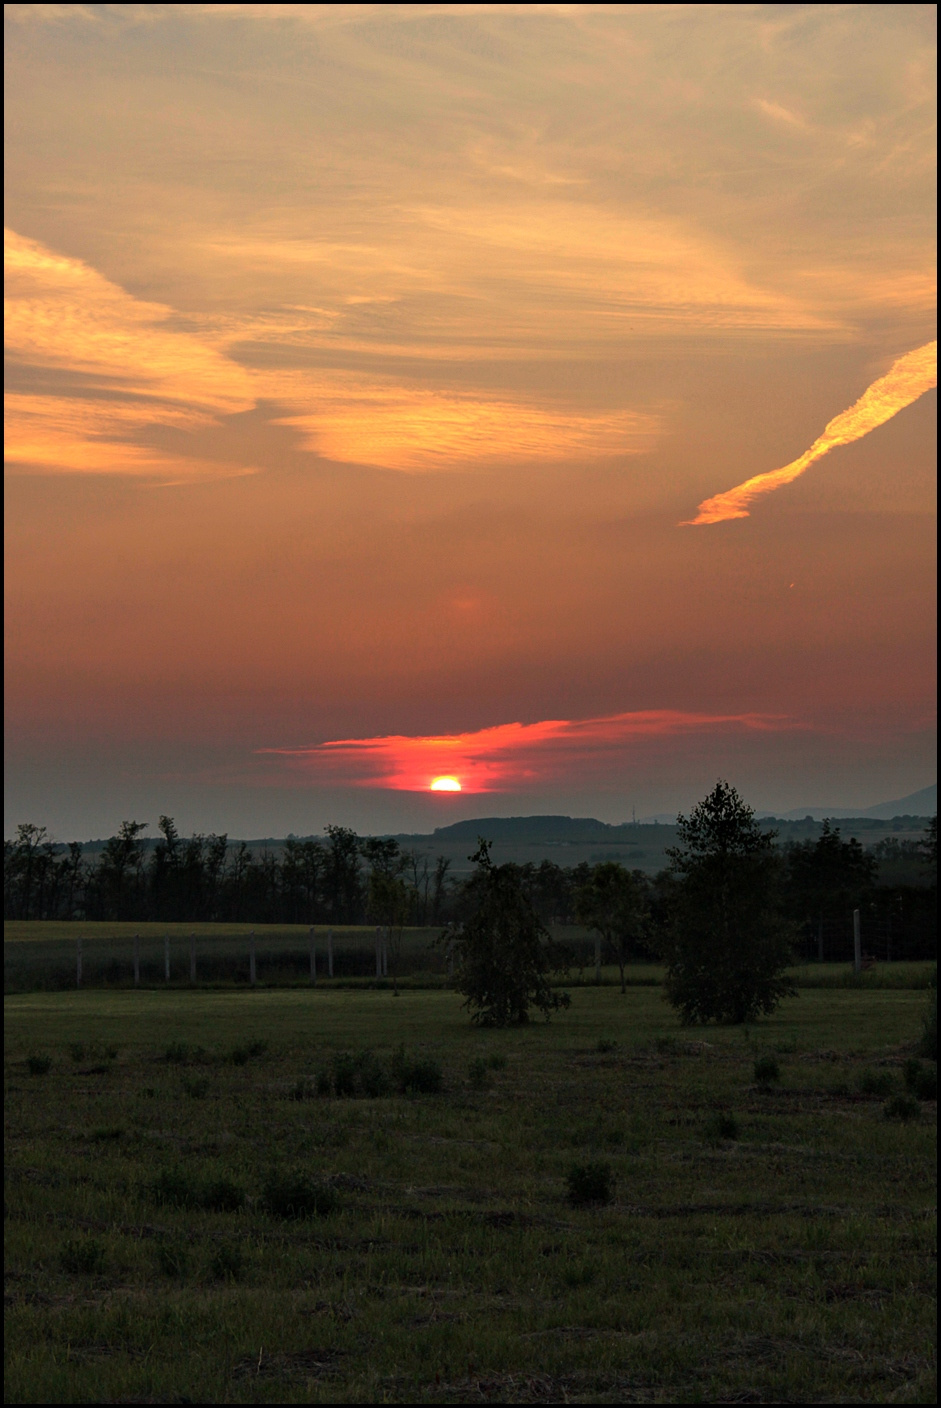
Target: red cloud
(508, 756)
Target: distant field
(792, 1263)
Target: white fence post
(313, 960)
(166, 958)
(597, 958)
(192, 958)
(329, 953)
(857, 944)
(137, 960)
(78, 961)
(251, 959)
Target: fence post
(313, 961)
(166, 958)
(597, 958)
(251, 959)
(857, 944)
(78, 961)
(329, 953)
(378, 952)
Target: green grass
(192, 1229)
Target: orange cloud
(908, 378)
(507, 756)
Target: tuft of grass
(324, 1085)
(606, 1046)
(497, 1061)
(177, 1053)
(478, 1074)
(38, 1065)
(172, 1259)
(928, 1045)
(222, 1195)
(875, 1083)
(902, 1107)
(77, 1051)
(766, 1070)
(107, 1133)
(227, 1264)
(82, 1256)
(293, 1193)
(196, 1087)
(721, 1126)
(176, 1188)
(666, 1045)
(247, 1051)
(921, 1080)
(373, 1076)
(419, 1077)
(590, 1183)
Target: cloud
(508, 756)
(95, 366)
(908, 378)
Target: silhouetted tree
(614, 902)
(727, 944)
(504, 955)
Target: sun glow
(445, 784)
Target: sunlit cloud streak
(908, 378)
(511, 756)
(99, 366)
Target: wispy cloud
(908, 378)
(94, 366)
(509, 756)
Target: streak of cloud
(908, 378)
(507, 756)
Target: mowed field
(149, 1259)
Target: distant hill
(921, 803)
(531, 828)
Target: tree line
(345, 878)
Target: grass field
(787, 1256)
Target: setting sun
(445, 784)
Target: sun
(445, 784)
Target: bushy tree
(726, 943)
(614, 902)
(503, 952)
(828, 877)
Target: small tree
(726, 944)
(390, 901)
(504, 955)
(614, 903)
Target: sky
(537, 397)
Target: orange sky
(362, 362)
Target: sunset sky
(377, 380)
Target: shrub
(666, 1045)
(172, 1258)
(928, 1045)
(921, 1080)
(176, 1188)
(590, 1183)
(197, 1088)
(38, 1065)
(222, 1195)
(421, 1077)
(374, 1078)
(767, 1070)
(721, 1126)
(227, 1264)
(106, 1133)
(478, 1075)
(82, 1256)
(111, 1053)
(875, 1083)
(902, 1107)
(77, 1051)
(344, 1075)
(605, 1047)
(177, 1053)
(324, 1083)
(301, 1089)
(296, 1194)
(247, 1051)
(496, 1062)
